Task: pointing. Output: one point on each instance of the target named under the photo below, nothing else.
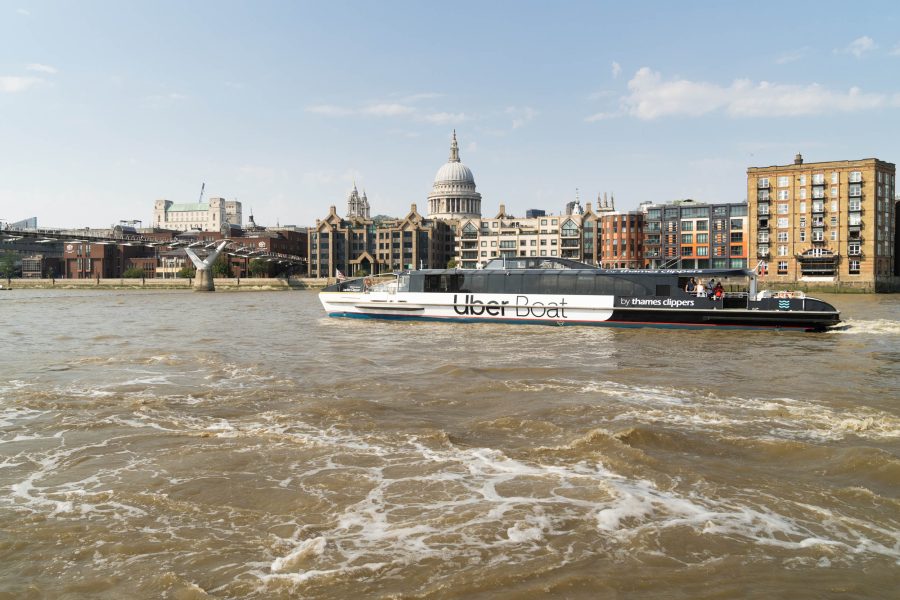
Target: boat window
(604, 285)
(442, 283)
(496, 283)
(624, 287)
(566, 283)
(585, 284)
(531, 283)
(477, 282)
(549, 283)
(513, 283)
(663, 290)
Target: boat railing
(780, 294)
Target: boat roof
(567, 264)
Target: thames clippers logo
(656, 302)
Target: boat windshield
(536, 263)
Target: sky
(106, 106)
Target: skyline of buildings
(829, 245)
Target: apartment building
(695, 235)
(356, 245)
(830, 223)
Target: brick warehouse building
(830, 224)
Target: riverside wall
(221, 283)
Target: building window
(784, 181)
(818, 178)
(855, 176)
(803, 180)
(782, 251)
(782, 267)
(782, 236)
(834, 192)
(784, 194)
(738, 250)
(783, 209)
(834, 177)
(736, 236)
(802, 235)
(803, 193)
(782, 222)
(834, 235)
(687, 238)
(703, 251)
(818, 235)
(854, 266)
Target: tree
(260, 268)
(133, 273)
(8, 265)
(222, 266)
(187, 272)
(451, 264)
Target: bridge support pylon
(203, 280)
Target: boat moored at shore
(560, 291)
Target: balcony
(854, 192)
(760, 254)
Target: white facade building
(201, 216)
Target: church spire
(454, 149)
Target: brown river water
(244, 445)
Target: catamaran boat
(561, 291)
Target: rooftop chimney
(798, 160)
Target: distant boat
(560, 291)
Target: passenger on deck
(701, 291)
(719, 291)
(691, 286)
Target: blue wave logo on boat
(784, 304)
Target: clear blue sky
(106, 106)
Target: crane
(202, 187)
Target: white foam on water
(306, 549)
(13, 416)
(868, 328)
(469, 503)
(755, 418)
